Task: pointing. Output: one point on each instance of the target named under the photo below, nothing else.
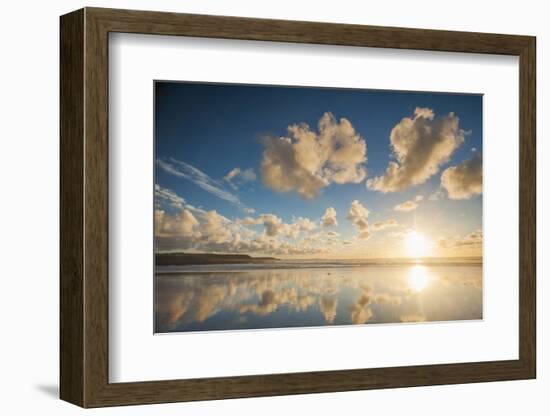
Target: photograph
(296, 207)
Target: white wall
(29, 208)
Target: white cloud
(410, 205)
(164, 195)
(406, 206)
(381, 225)
(420, 145)
(215, 229)
(464, 180)
(165, 198)
(473, 240)
(182, 224)
(237, 177)
(274, 226)
(202, 180)
(329, 218)
(358, 215)
(307, 161)
(212, 232)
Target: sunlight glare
(419, 278)
(416, 245)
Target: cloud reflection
(271, 298)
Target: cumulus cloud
(381, 225)
(237, 177)
(307, 161)
(420, 145)
(274, 226)
(212, 232)
(182, 224)
(329, 218)
(410, 205)
(209, 231)
(464, 180)
(358, 215)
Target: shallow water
(207, 298)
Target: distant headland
(183, 259)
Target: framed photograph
(262, 207)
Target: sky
(296, 172)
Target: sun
(416, 245)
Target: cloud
(211, 232)
(275, 226)
(307, 161)
(420, 145)
(381, 225)
(410, 205)
(166, 198)
(473, 240)
(164, 195)
(184, 230)
(202, 180)
(237, 177)
(358, 215)
(329, 218)
(215, 229)
(182, 224)
(464, 180)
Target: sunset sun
(417, 245)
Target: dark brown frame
(84, 207)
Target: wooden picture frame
(84, 207)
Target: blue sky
(215, 128)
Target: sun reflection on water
(419, 278)
(278, 298)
